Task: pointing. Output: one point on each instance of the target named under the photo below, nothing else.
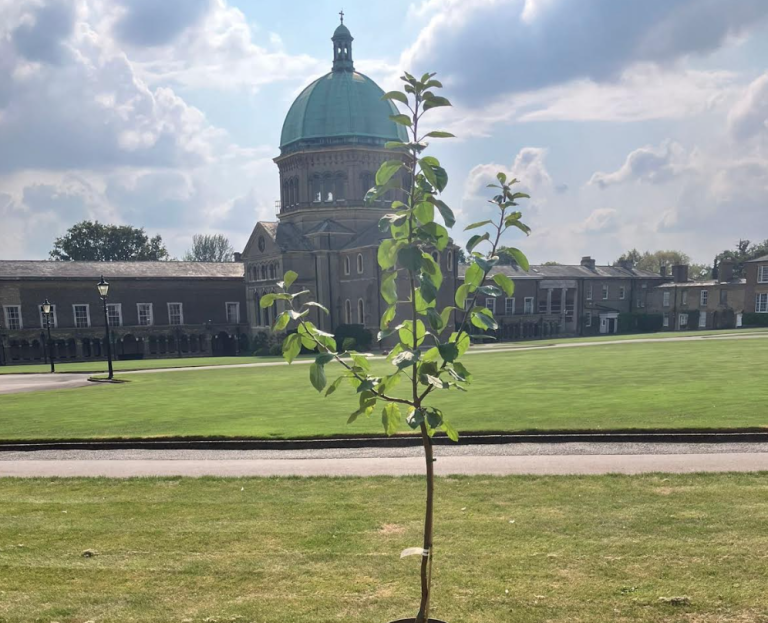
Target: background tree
(91, 241)
(654, 261)
(744, 252)
(210, 248)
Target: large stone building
(331, 146)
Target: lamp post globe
(103, 288)
(47, 309)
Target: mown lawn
(701, 384)
(519, 549)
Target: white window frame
(682, 320)
(761, 303)
(665, 298)
(87, 315)
(181, 314)
(151, 314)
(666, 320)
(347, 265)
(361, 312)
(606, 292)
(53, 313)
(119, 307)
(348, 311)
(589, 291)
(360, 264)
(685, 297)
(507, 306)
(622, 292)
(762, 274)
(490, 303)
(702, 320)
(237, 311)
(528, 305)
(6, 317)
(449, 260)
(703, 298)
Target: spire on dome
(342, 47)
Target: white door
(703, 320)
(739, 319)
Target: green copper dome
(342, 107)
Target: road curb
(399, 441)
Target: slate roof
(569, 272)
(760, 259)
(329, 226)
(46, 269)
(367, 238)
(703, 284)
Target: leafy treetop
(210, 248)
(91, 241)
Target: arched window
(339, 187)
(449, 260)
(360, 311)
(316, 188)
(295, 199)
(286, 194)
(366, 182)
(360, 263)
(436, 257)
(347, 268)
(271, 271)
(263, 272)
(348, 311)
(327, 188)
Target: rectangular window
(702, 320)
(82, 315)
(115, 314)
(588, 323)
(528, 305)
(605, 292)
(665, 299)
(509, 306)
(704, 298)
(622, 293)
(589, 291)
(175, 313)
(723, 297)
(146, 315)
(233, 313)
(683, 320)
(761, 303)
(685, 297)
(762, 274)
(13, 317)
(666, 320)
(543, 305)
(490, 303)
(54, 318)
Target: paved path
(496, 460)
(17, 383)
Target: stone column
(549, 301)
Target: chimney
(725, 271)
(680, 273)
(588, 262)
(627, 264)
(238, 256)
(663, 270)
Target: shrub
(361, 337)
(755, 320)
(640, 323)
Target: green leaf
(409, 257)
(438, 235)
(335, 385)
(431, 355)
(476, 240)
(445, 211)
(281, 321)
(473, 276)
(486, 263)
(361, 362)
(317, 305)
(441, 176)
(317, 376)
(291, 347)
(452, 433)
(448, 351)
(388, 316)
(489, 290)
(433, 83)
(402, 120)
(405, 359)
(461, 295)
(459, 367)
(432, 268)
(289, 278)
(415, 418)
(387, 253)
(502, 177)
(476, 225)
(267, 300)
(391, 418)
(518, 256)
(505, 283)
(387, 170)
(425, 212)
(446, 316)
(435, 320)
(389, 287)
(513, 222)
(406, 333)
(323, 358)
(398, 96)
(462, 341)
(435, 102)
(428, 289)
(483, 320)
(439, 134)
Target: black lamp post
(103, 287)
(47, 310)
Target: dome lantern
(342, 47)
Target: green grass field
(701, 384)
(588, 549)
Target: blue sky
(640, 123)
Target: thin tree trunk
(426, 559)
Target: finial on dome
(342, 47)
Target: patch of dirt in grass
(391, 528)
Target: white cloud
(600, 221)
(646, 164)
(748, 118)
(528, 166)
